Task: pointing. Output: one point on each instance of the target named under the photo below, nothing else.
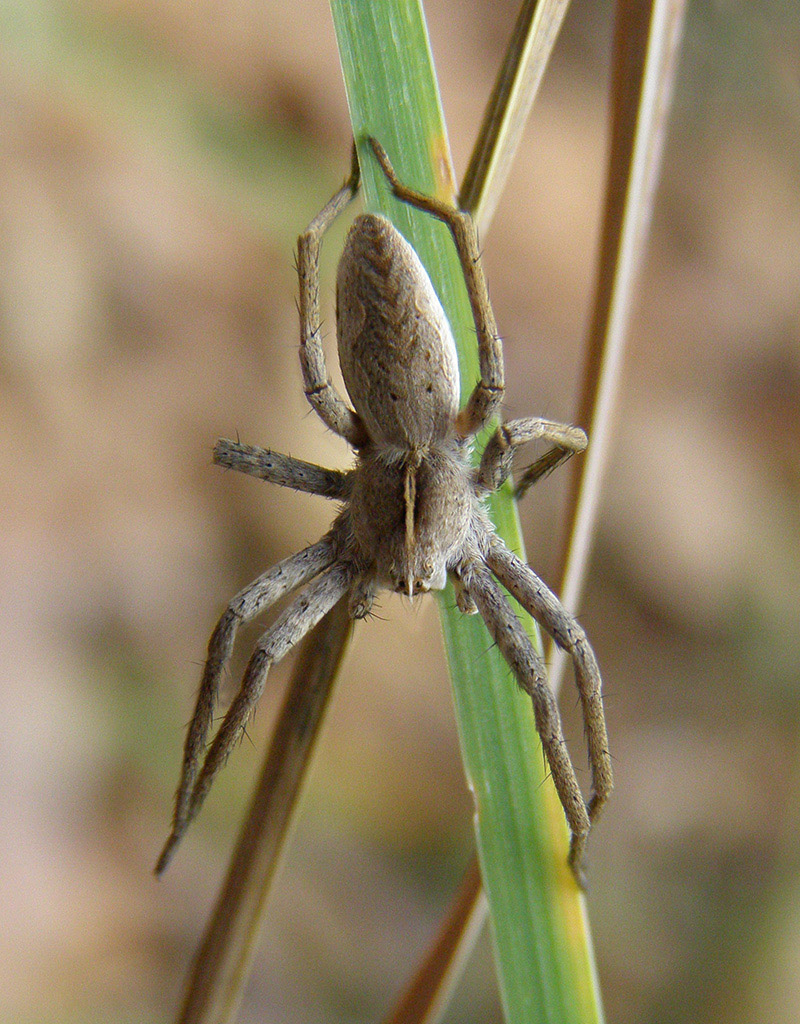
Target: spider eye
(420, 584)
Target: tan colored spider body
(396, 349)
(412, 512)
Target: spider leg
(464, 602)
(548, 611)
(362, 595)
(282, 578)
(528, 668)
(282, 469)
(499, 452)
(287, 631)
(326, 401)
(488, 392)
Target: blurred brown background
(157, 160)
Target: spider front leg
(488, 392)
(544, 606)
(326, 401)
(287, 631)
(498, 454)
(515, 645)
(282, 469)
(282, 578)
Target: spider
(412, 511)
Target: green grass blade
(542, 948)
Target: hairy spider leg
(311, 604)
(326, 401)
(488, 392)
(521, 581)
(527, 666)
(499, 451)
(282, 469)
(282, 578)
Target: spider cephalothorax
(409, 516)
(412, 512)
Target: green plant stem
(639, 108)
(542, 951)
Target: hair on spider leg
(245, 736)
(411, 509)
(492, 646)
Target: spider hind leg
(323, 397)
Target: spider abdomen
(396, 348)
